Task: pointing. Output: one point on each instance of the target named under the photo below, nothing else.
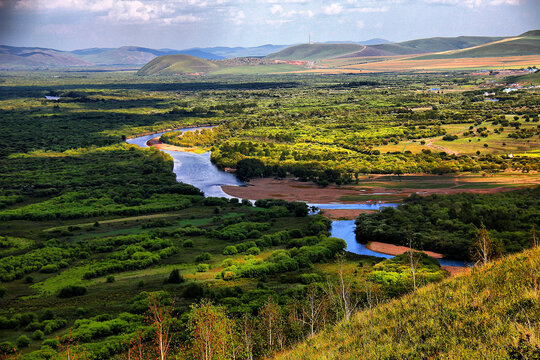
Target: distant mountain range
(127, 56)
(13, 58)
(133, 57)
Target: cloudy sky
(180, 24)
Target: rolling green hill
(314, 52)
(438, 44)
(492, 312)
(519, 46)
(177, 64)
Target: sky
(182, 24)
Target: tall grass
(490, 312)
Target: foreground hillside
(488, 313)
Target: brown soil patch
(454, 270)
(391, 249)
(347, 214)
(293, 190)
(289, 190)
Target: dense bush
(175, 277)
(72, 291)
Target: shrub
(3, 292)
(110, 279)
(53, 343)
(193, 291)
(253, 251)
(230, 250)
(7, 348)
(46, 314)
(23, 341)
(203, 267)
(310, 278)
(203, 257)
(38, 335)
(29, 280)
(72, 291)
(295, 233)
(188, 244)
(227, 262)
(175, 277)
(228, 275)
(49, 269)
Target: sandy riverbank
(155, 142)
(391, 249)
(344, 214)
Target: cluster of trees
(448, 223)
(282, 261)
(204, 138)
(345, 167)
(73, 184)
(47, 259)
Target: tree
(212, 332)
(175, 277)
(484, 246)
(313, 309)
(159, 317)
(534, 238)
(249, 168)
(247, 326)
(414, 258)
(342, 294)
(271, 323)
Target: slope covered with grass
(314, 52)
(177, 64)
(490, 312)
(519, 46)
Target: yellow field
(408, 63)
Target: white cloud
(371, 9)
(181, 19)
(238, 17)
(474, 3)
(133, 11)
(277, 22)
(276, 8)
(360, 24)
(333, 9)
(504, 2)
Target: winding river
(199, 171)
